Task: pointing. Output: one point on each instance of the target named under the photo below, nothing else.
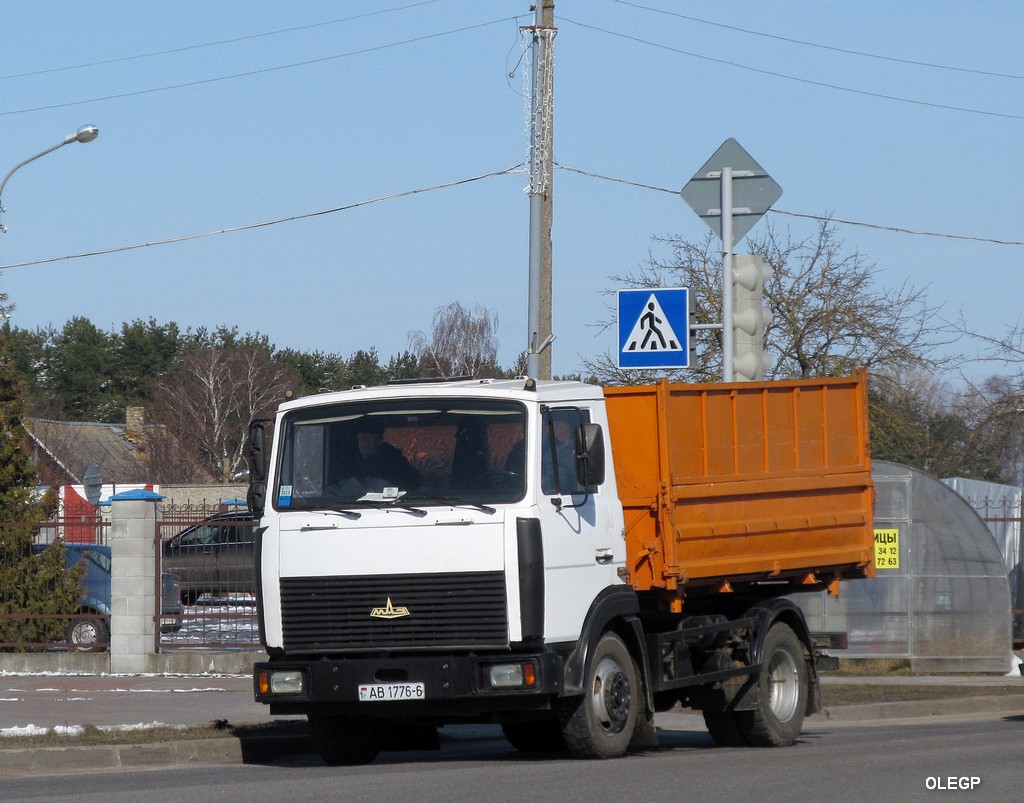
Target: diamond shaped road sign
(753, 190)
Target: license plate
(391, 691)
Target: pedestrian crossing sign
(654, 328)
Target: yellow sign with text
(887, 549)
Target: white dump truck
(559, 559)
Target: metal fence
(211, 551)
(205, 595)
(55, 585)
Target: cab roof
(519, 388)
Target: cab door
(577, 527)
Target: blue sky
(343, 111)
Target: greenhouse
(940, 598)
(1000, 508)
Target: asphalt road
(901, 760)
(29, 702)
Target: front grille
(332, 614)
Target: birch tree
(830, 312)
(217, 388)
(462, 342)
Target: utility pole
(539, 336)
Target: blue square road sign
(654, 328)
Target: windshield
(443, 451)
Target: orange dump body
(726, 485)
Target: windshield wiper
(389, 497)
(455, 501)
(348, 514)
(416, 511)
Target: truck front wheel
(781, 691)
(346, 741)
(543, 736)
(601, 723)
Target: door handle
(603, 556)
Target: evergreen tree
(35, 590)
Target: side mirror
(255, 455)
(589, 449)
(256, 498)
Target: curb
(1001, 704)
(228, 750)
(91, 758)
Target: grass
(873, 667)
(835, 695)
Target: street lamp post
(87, 133)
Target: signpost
(654, 328)
(731, 192)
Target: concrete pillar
(133, 581)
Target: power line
(515, 169)
(878, 227)
(787, 77)
(805, 43)
(265, 70)
(215, 43)
(265, 223)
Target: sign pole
(727, 301)
(744, 194)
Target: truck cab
(459, 581)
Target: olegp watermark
(945, 783)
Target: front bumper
(455, 686)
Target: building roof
(75, 445)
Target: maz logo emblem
(389, 611)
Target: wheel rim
(85, 633)
(783, 685)
(611, 696)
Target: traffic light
(750, 318)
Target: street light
(87, 133)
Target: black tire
(725, 728)
(89, 634)
(544, 736)
(346, 741)
(603, 722)
(782, 690)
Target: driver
(379, 459)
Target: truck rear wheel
(601, 723)
(725, 728)
(781, 691)
(345, 741)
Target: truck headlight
(522, 675)
(284, 681)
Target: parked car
(214, 557)
(90, 630)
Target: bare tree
(462, 342)
(208, 401)
(828, 313)
(173, 458)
